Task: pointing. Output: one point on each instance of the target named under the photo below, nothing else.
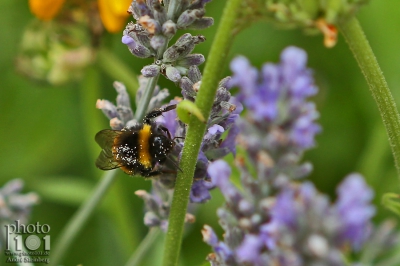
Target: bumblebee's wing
(105, 139)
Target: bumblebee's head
(161, 145)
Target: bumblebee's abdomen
(131, 150)
(144, 146)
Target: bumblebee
(138, 149)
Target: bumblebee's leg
(165, 130)
(157, 112)
(153, 173)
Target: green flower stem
(362, 51)
(141, 109)
(92, 117)
(144, 247)
(117, 70)
(195, 133)
(94, 121)
(373, 156)
(75, 225)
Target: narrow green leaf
(186, 108)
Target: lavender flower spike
(274, 219)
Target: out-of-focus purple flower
(297, 227)
(354, 209)
(284, 211)
(220, 173)
(220, 248)
(304, 129)
(274, 219)
(244, 76)
(13, 204)
(250, 249)
(276, 98)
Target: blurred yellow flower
(113, 13)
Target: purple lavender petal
(230, 140)
(209, 236)
(199, 192)
(284, 211)
(220, 172)
(293, 61)
(354, 208)
(127, 40)
(304, 129)
(245, 76)
(250, 249)
(169, 119)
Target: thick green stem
(195, 133)
(362, 51)
(77, 222)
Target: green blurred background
(47, 132)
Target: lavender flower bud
(138, 33)
(139, 9)
(225, 82)
(209, 236)
(198, 4)
(194, 74)
(169, 29)
(187, 88)
(152, 204)
(157, 42)
(150, 71)
(183, 46)
(158, 98)
(135, 48)
(122, 97)
(190, 60)
(151, 25)
(123, 103)
(116, 124)
(172, 73)
(109, 109)
(159, 13)
(202, 23)
(151, 219)
(188, 17)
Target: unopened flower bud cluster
(156, 25)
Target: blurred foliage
(47, 135)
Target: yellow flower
(113, 13)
